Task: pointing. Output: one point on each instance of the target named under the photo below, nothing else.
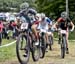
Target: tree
(8, 5)
(53, 8)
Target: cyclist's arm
(55, 26)
(49, 22)
(72, 26)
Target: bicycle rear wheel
(51, 42)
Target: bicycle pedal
(21, 48)
(67, 52)
(25, 55)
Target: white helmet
(38, 16)
(64, 15)
(24, 5)
(42, 15)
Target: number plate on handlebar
(43, 30)
(24, 26)
(63, 31)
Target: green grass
(7, 52)
(72, 35)
(5, 41)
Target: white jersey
(43, 25)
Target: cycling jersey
(24, 14)
(44, 23)
(25, 18)
(63, 24)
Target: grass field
(7, 52)
(8, 55)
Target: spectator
(1, 29)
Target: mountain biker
(45, 25)
(63, 23)
(35, 25)
(27, 14)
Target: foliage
(13, 5)
(53, 8)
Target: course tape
(6, 45)
(69, 40)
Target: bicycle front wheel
(63, 47)
(22, 49)
(42, 47)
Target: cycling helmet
(64, 15)
(42, 15)
(38, 16)
(24, 6)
